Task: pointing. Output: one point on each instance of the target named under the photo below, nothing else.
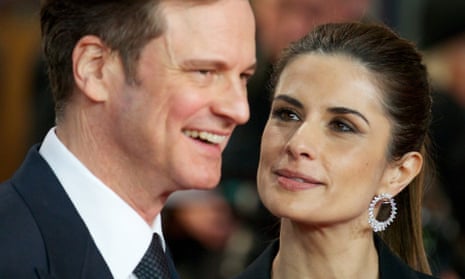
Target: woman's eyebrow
(335, 110)
(290, 100)
(344, 110)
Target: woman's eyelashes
(343, 126)
(336, 124)
(285, 114)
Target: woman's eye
(341, 126)
(285, 115)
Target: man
(147, 95)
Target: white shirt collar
(121, 235)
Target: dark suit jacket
(41, 233)
(390, 266)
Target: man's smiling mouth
(204, 136)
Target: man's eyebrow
(214, 63)
(218, 64)
(290, 100)
(344, 110)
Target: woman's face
(323, 152)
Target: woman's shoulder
(391, 266)
(424, 276)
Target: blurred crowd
(216, 234)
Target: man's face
(191, 94)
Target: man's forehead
(202, 34)
(317, 3)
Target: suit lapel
(44, 274)
(71, 251)
(171, 265)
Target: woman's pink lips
(295, 182)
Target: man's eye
(204, 72)
(285, 115)
(246, 77)
(203, 75)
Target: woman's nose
(302, 142)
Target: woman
(346, 141)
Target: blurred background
(216, 234)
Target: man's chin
(205, 184)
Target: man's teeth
(205, 136)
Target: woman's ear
(401, 172)
(90, 59)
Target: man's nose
(232, 103)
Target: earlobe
(403, 171)
(89, 57)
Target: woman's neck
(314, 253)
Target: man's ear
(401, 172)
(90, 59)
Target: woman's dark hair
(402, 77)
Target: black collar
(390, 266)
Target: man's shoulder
(20, 234)
(41, 231)
(20, 238)
(13, 209)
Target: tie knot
(154, 264)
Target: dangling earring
(375, 224)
